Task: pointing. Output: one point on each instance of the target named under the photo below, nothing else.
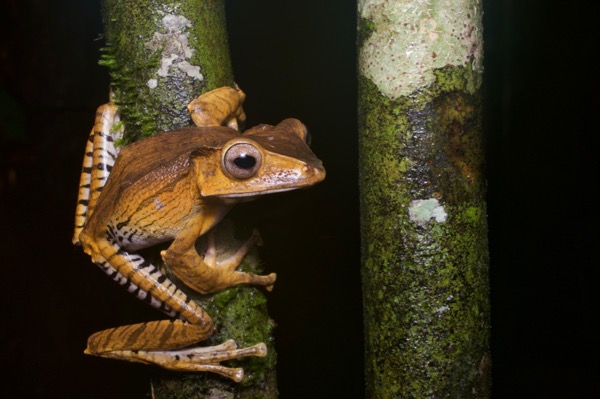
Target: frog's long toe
(197, 358)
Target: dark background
(297, 58)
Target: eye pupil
(245, 161)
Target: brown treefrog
(176, 186)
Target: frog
(173, 188)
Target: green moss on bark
(424, 238)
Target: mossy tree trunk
(423, 212)
(161, 55)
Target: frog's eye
(242, 160)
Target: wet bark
(423, 211)
(161, 55)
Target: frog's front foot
(211, 275)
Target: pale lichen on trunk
(409, 40)
(423, 215)
(161, 55)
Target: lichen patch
(411, 39)
(191, 70)
(173, 43)
(422, 211)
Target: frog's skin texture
(176, 186)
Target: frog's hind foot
(206, 358)
(167, 343)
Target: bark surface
(161, 55)
(423, 212)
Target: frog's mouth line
(253, 192)
(257, 193)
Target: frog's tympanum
(176, 186)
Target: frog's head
(263, 160)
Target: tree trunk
(423, 212)
(161, 55)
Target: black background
(298, 58)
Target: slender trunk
(423, 212)
(161, 55)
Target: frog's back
(166, 155)
(140, 158)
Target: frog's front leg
(164, 343)
(209, 275)
(221, 106)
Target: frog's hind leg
(147, 282)
(100, 155)
(144, 280)
(165, 343)
(181, 358)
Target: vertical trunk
(423, 214)
(161, 55)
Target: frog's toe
(268, 281)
